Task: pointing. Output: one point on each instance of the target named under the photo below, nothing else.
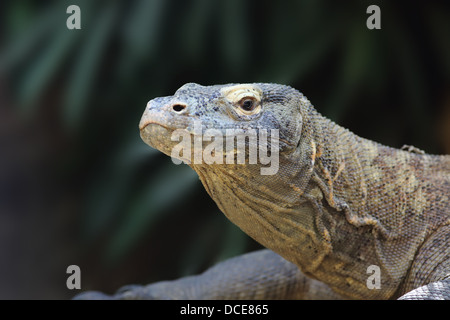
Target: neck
(325, 206)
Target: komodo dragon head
(220, 111)
(264, 204)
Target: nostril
(178, 107)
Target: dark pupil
(247, 105)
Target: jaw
(158, 124)
(159, 137)
(191, 147)
(181, 144)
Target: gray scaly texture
(338, 203)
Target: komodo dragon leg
(431, 266)
(257, 275)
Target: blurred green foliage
(72, 100)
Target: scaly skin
(337, 205)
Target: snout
(162, 112)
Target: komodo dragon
(339, 210)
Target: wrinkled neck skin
(322, 209)
(276, 210)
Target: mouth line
(193, 134)
(149, 122)
(168, 128)
(143, 126)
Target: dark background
(78, 186)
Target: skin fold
(334, 209)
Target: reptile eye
(248, 104)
